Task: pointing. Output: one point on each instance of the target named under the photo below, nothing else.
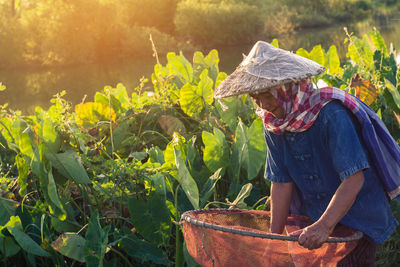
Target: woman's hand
(312, 236)
(317, 233)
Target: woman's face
(268, 102)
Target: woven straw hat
(265, 67)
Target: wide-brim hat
(266, 67)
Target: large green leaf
(7, 209)
(360, 52)
(210, 62)
(142, 250)
(49, 189)
(317, 55)
(49, 135)
(69, 164)
(156, 155)
(378, 41)
(190, 102)
(221, 76)
(393, 90)
(184, 178)
(122, 133)
(180, 66)
(193, 98)
(14, 226)
(216, 150)
(52, 191)
(250, 147)
(165, 78)
(3, 141)
(20, 132)
(177, 141)
(205, 88)
(6, 129)
(159, 183)
(70, 245)
(96, 242)
(386, 67)
(151, 218)
(333, 62)
(228, 109)
(119, 92)
(23, 168)
(117, 97)
(8, 243)
(303, 53)
(90, 113)
(195, 163)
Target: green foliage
(14, 226)
(186, 180)
(54, 33)
(51, 33)
(332, 61)
(96, 241)
(378, 65)
(249, 149)
(216, 150)
(360, 51)
(209, 187)
(151, 217)
(194, 98)
(70, 245)
(141, 250)
(317, 13)
(6, 211)
(218, 22)
(68, 163)
(103, 182)
(243, 194)
(388, 254)
(153, 13)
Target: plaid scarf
(301, 104)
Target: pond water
(27, 88)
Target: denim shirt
(319, 159)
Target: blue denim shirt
(319, 159)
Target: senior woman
(329, 156)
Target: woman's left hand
(312, 236)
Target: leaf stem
(5, 127)
(261, 199)
(122, 256)
(111, 130)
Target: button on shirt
(319, 159)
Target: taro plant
(105, 182)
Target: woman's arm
(314, 235)
(281, 196)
